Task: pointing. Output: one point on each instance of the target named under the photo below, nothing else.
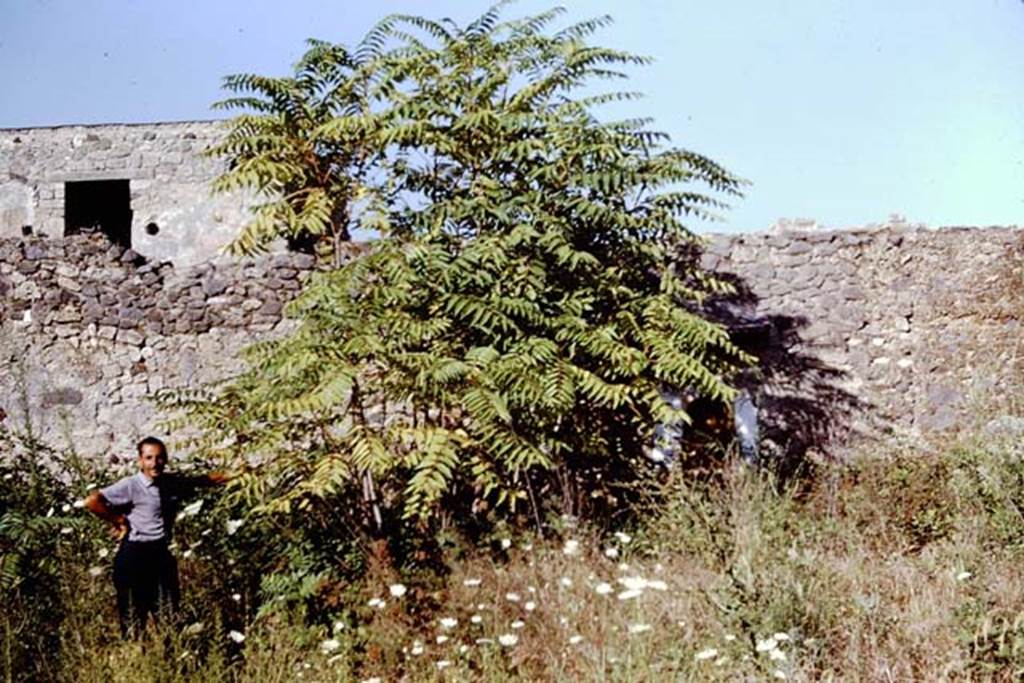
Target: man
(142, 508)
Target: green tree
(505, 346)
(304, 145)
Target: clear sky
(839, 110)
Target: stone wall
(89, 331)
(859, 332)
(163, 164)
(880, 330)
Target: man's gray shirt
(150, 506)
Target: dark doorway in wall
(99, 206)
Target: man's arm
(99, 506)
(217, 478)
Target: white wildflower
(188, 553)
(506, 543)
(237, 597)
(623, 538)
(338, 627)
(780, 636)
(575, 640)
(639, 628)
(441, 639)
(472, 583)
(517, 624)
(66, 530)
(623, 567)
(657, 585)
(65, 508)
(448, 622)
(463, 649)
(95, 571)
(729, 637)
(706, 654)
(417, 649)
(963, 576)
(397, 590)
(233, 525)
(766, 645)
(103, 553)
(781, 675)
(442, 664)
(77, 503)
(603, 588)
(629, 595)
(476, 619)
(571, 547)
(777, 655)
(484, 641)
(529, 605)
(633, 583)
(376, 602)
(611, 553)
(565, 581)
(508, 639)
(330, 645)
(512, 597)
(527, 547)
(191, 509)
(236, 636)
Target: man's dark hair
(152, 441)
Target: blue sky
(841, 111)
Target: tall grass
(905, 565)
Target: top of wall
(114, 124)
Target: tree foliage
(304, 145)
(505, 346)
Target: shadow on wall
(802, 405)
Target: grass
(899, 567)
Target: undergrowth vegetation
(899, 566)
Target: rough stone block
(62, 396)
(213, 286)
(131, 337)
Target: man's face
(152, 460)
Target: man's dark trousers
(146, 580)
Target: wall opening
(99, 206)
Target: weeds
(905, 567)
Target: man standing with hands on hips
(142, 508)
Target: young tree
(506, 344)
(304, 145)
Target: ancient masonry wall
(873, 331)
(90, 331)
(912, 331)
(168, 176)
